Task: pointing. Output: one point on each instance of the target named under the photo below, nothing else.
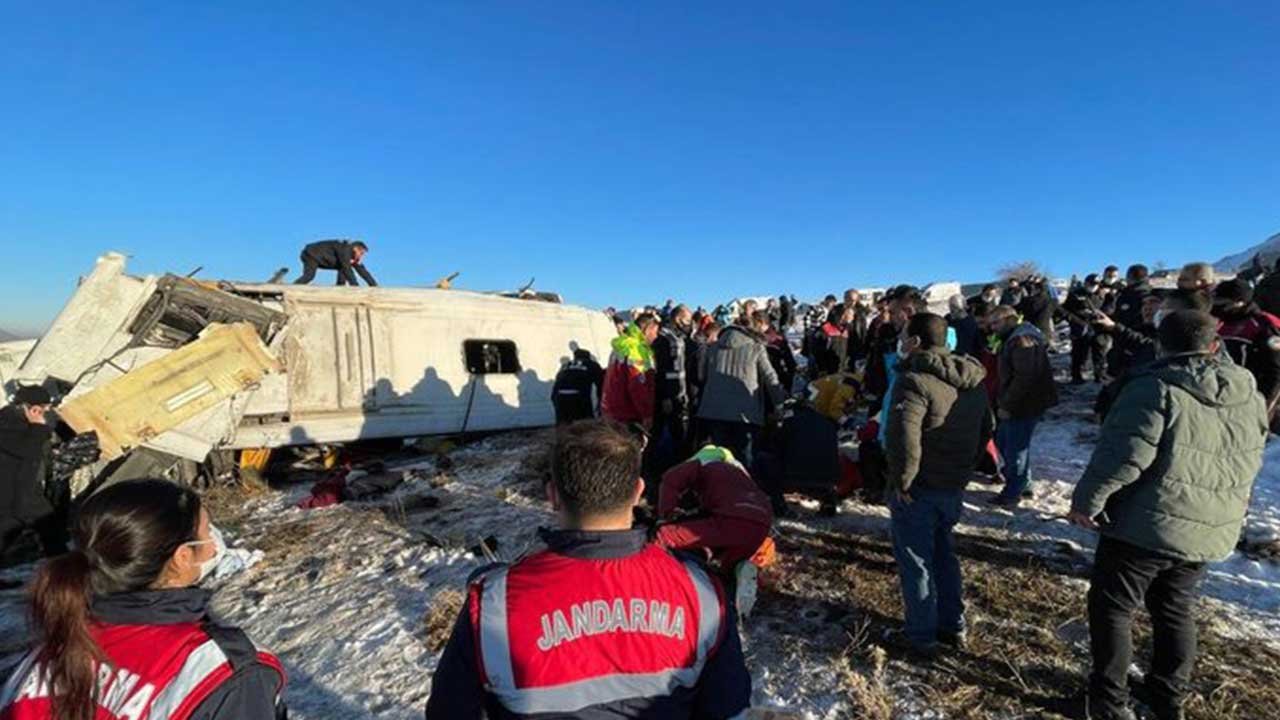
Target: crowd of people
(671, 462)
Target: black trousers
(738, 437)
(1089, 348)
(1125, 577)
(309, 267)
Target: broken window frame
(490, 357)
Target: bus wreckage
(171, 372)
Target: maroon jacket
(723, 486)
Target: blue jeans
(927, 564)
(1013, 439)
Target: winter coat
(1177, 457)
(225, 675)
(1038, 309)
(1128, 309)
(738, 380)
(628, 382)
(1027, 387)
(782, 358)
(338, 255)
(1081, 306)
(808, 446)
(968, 336)
(939, 421)
(722, 485)
(24, 461)
(1252, 338)
(571, 394)
(670, 370)
(1267, 293)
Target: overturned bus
(184, 367)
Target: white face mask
(219, 550)
(1159, 317)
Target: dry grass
(1028, 649)
(440, 616)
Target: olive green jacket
(1177, 458)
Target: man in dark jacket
(571, 394)
(855, 330)
(26, 436)
(985, 301)
(1267, 292)
(968, 335)
(1038, 306)
(603, 623)
(671, 365)
(939, 421)
(1128, 310)
(341, 255)
(1027, 390)
(1168, 487)
(1013, 293)
(1251, 336)
(1082, 308)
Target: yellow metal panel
(170, 390)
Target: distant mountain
(8, 336)
(1270, 249)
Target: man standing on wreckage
(603, 622)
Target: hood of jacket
(1207, 378)
(958, 371)
(1026, 329)
(631, 347)
(736, 336)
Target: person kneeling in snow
(732, 516)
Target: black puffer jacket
(939, 421)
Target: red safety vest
(556, 634)
(153, 672)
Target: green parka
(1177, 458)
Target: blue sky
(627, 152)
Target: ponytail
(60, 596)
(124, 535)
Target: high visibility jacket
(153, 672)
(601, 624)
(629, 380)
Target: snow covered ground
(356, 598)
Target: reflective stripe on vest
(26, 694)
(495, 656)
(199, 667)
(10, 691)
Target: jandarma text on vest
(595, 617)
(118, 691)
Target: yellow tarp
(168, 391)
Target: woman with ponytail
(123, 631)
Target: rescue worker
(341, 255)
(571, 393)
(671, 387)
(730, 517)
(601, 623)
(26, 435)
(124, 632)
(629, 380)
(1251, 336)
